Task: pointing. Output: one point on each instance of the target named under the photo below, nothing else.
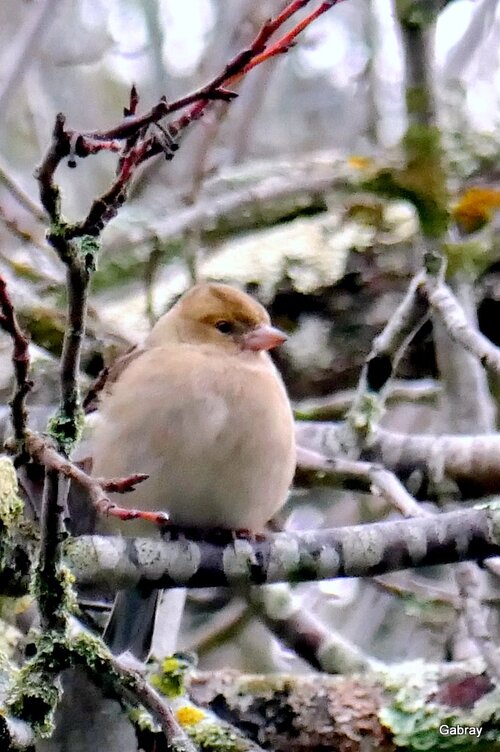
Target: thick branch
(376, 711)
(358, 551)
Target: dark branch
(20, 360)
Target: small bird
(204, 412)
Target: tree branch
(444, 303)
(471, 461)
(358, 551)
(386, 709)
(20, 360)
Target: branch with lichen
(382, 361)
(335, 406)
(203, 726)
(444, 303)
(471, 461)
(396, 707)
(357, 551)
(35, 692)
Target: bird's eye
(225, 327)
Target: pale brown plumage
(205, 413)
(201, 409)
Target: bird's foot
(217, 535)
(249, 535)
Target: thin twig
(20, 360)
(41, 450)
(142, 141)
(29, 39)
(20, 194)
(376, 477)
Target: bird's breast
(217, 441)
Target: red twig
(283, 45)
(42, 451)
(254, 55)
(20, 360)
(143, 136)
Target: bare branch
(41, 450)
(377, 478)
(20, 360)
(20, 194)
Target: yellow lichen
(11, 506)
(475, 208)
(360, 163)
(188, 715)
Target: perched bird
(203, 411)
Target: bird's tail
(143, 620)
(131, 624)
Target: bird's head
(220, 315)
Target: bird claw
(249, 535)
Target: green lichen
(57, 235)
(367, 415)
(66, 429)
(87, 249)
(53, 590)
(170, 679)
(471, 257)
(415, 13)
(415, 717)
(11, 506)
(213, 737)
(142, 720)
(46, 326)
(92, 653)
(36, 690)
(422, 181)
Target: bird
(203, 411)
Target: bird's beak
(263, 337)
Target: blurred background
(264, 193)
